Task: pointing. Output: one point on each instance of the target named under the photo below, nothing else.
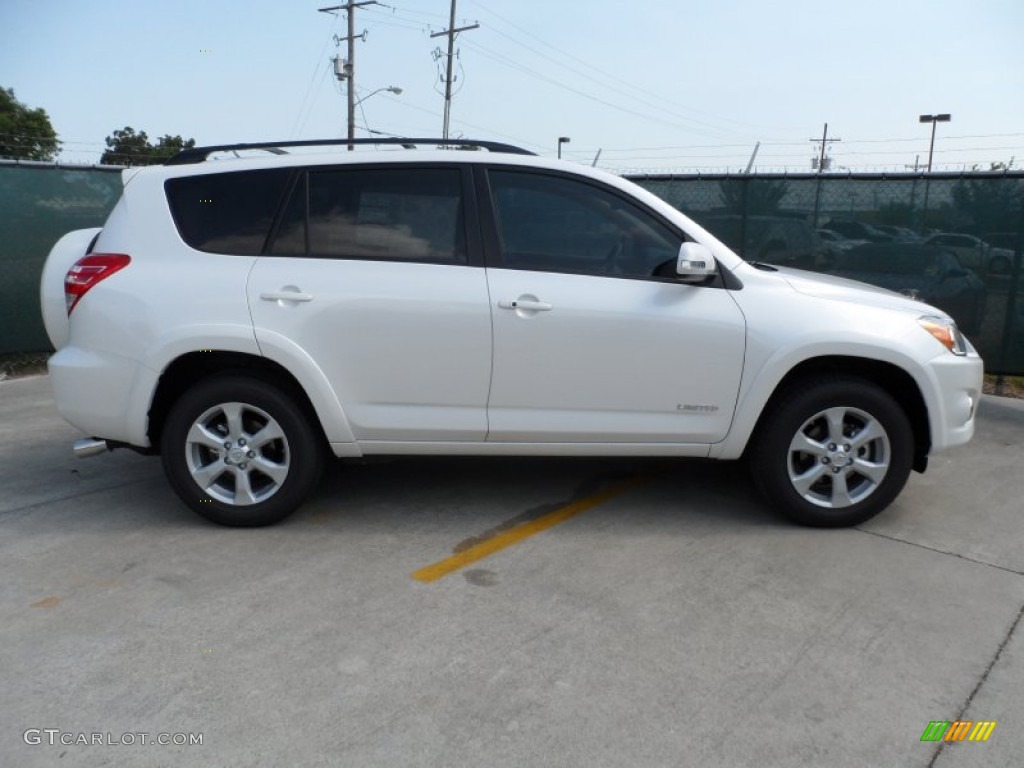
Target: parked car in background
(899, 234)
(973, 252)
(838, 241)
(930, 274)
(771, 239)
(1005, 245)
(833, 244)
(858, 230)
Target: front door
(594, 340)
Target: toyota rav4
(248, 317)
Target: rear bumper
(102, 394)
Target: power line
(394, 20)
(309, 88)
(411, 11)
(532, 73)
(633, 88)
(516, 139)
(661, 104)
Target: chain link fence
(951, 240)
(39, 203)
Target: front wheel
(240, 452)
(833, 451)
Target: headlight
(945, 332)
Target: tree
(895, 212)
(989, 205)
(126, 147)
(25, 133)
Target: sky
(655, 85)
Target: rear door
(375, 274)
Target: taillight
(88, 271)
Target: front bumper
(957, 383)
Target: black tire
(807, 484)
(259, 479)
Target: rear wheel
(834, 451)
(240, 452)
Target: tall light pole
(933, 119)
(562, 140)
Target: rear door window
(401, 214)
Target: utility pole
(824, 140)
(917, 164)
(450, 32)
(821, 167)
(348, 72)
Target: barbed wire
(23, 141)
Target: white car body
(398, 357)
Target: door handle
(286, 296)
(527, 304)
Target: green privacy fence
(38, 204)
(952, 240)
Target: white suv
(246, 318)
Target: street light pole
(933, 119)
(390, 89)
(562, 140)
(359, 102)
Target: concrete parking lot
(669, 620)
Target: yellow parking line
(500, 541)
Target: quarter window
(226, 212)
(551, 223)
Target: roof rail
(200, 154)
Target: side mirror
(695, 262)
